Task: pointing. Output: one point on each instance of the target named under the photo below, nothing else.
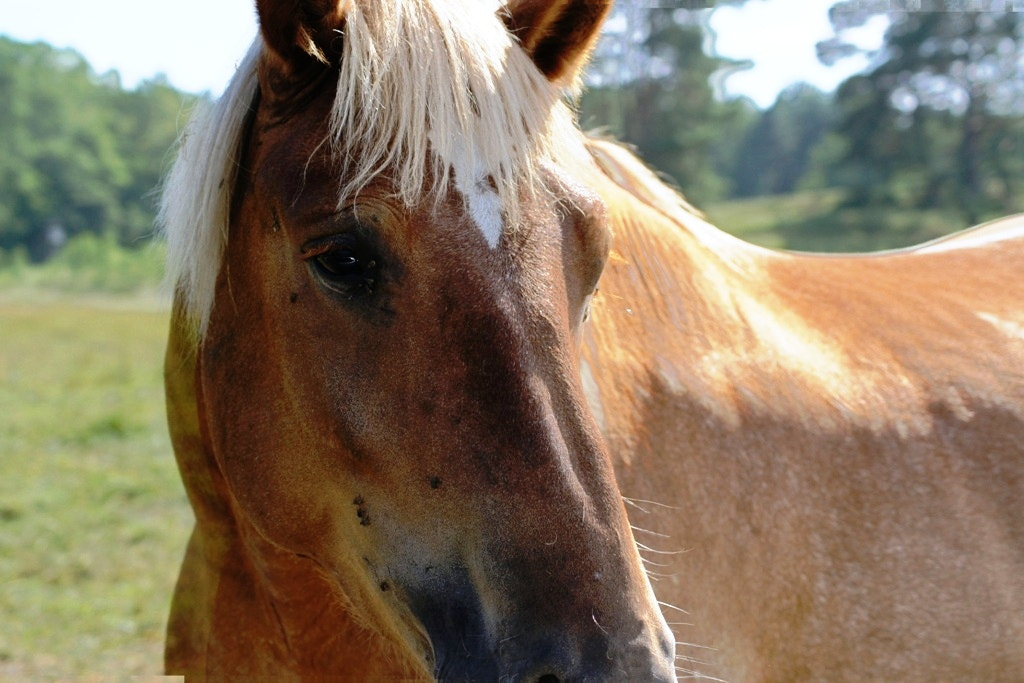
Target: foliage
(939, 121)
(816, 220)
(661, 100)
(88, 263)
(933, 133)
(79, 154)
(937, 125)
(775, 155)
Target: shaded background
(916, 132)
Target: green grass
(757, 219)
(813, 221)
(93, 518)
(88, 263)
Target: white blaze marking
(473, 180)
(485, 208)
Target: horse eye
(343, 265)
(338, 264)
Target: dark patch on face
(361, 512)
(293, 298)
(385, 586)
(435, 482)
(449, 609)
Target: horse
(458, 392)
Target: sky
(779, 37)
(198, 43)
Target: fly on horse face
(411, 434)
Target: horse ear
(557, 34)
(300, 31)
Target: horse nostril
(549, 678)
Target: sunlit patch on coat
(593, 393)
(1011, 328)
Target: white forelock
(429, 92)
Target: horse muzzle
(471, 643)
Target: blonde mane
(625, 169)
(430, 93)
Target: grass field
(93, 517)
(814, 221)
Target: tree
(658, 97)
(939, 120)
(78, 153)
(776, 152)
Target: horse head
(389, 332)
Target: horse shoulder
(864, 414)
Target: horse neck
(810, 342)
(685, 277)
(688, 310)
(195, 463)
